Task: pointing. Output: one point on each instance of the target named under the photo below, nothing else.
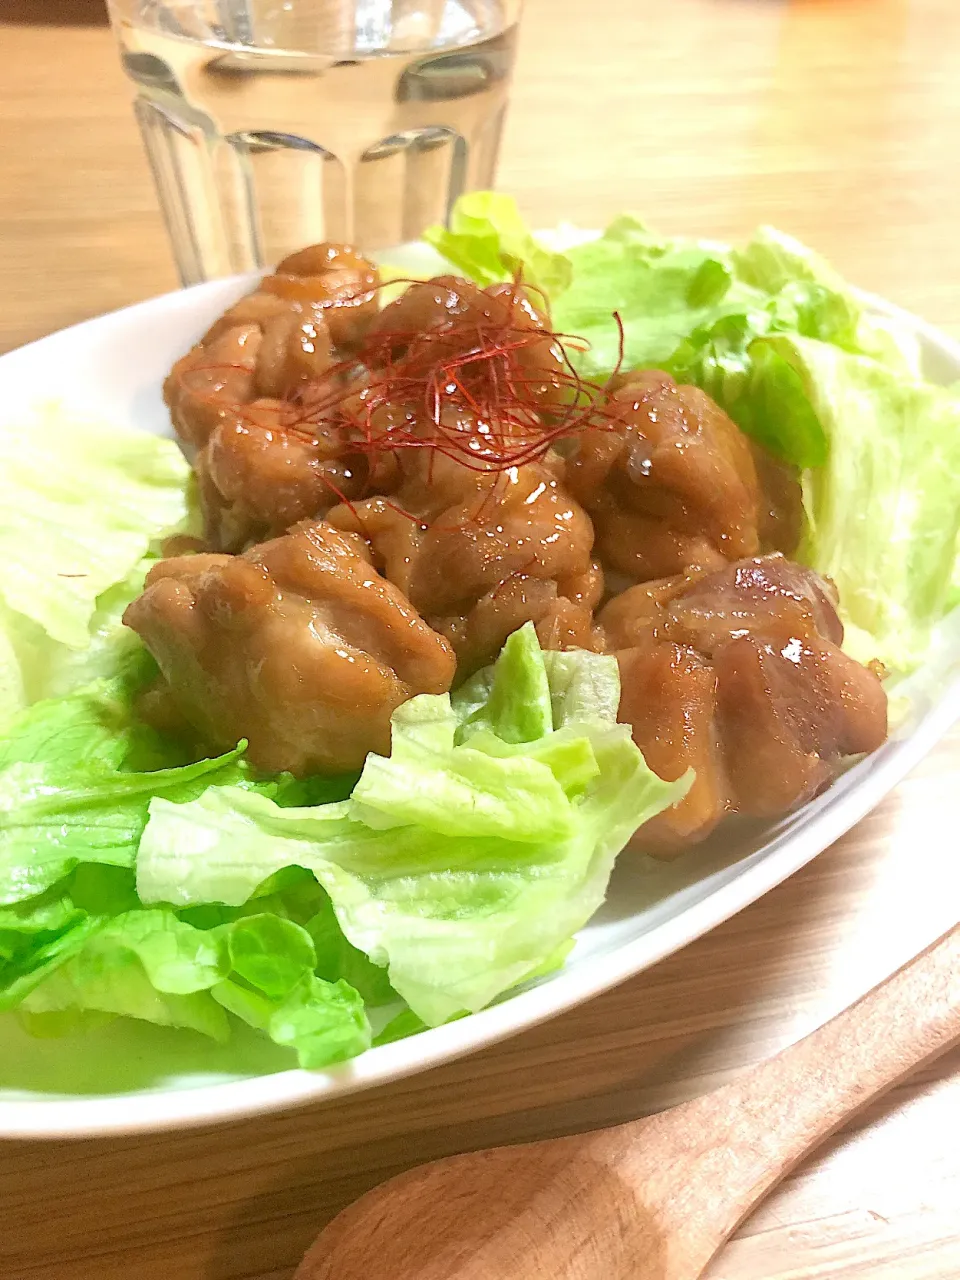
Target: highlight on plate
(335, 721)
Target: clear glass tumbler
(272, 124)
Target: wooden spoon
(654, 1199)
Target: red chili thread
(471, 392)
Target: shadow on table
(54, 13)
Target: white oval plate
(135, 1077)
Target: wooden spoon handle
(655, 1199)
(735, 1144)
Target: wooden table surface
(836, 119)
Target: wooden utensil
(654, 1199)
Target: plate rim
(58, 1117)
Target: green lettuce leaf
(660, 289)
(337, 959)
(457, 791)
(177, 958)
(49, 669)
(513, 697)
(455, 908)
(758, 388)
(93, 726)
(38, 936)
(64, 799)
(325, 1022)
(488, 241)
(270, 952)
(528, 693)
(814, 299)
(144, 964)
(84, 508)
(582, 691)
(60, 549)
(883, 513)
(148, 964)
(273, 985)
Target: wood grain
(656, 1198)
(836, 119)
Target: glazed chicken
(401, 489)
(290, 330)
(297, 645)
(259, 473)
(479, 548)
(479, 553)
(739, 675)
(230, 397)
(668, 480)
(443, 319)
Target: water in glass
(272, 124)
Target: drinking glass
(273, 124)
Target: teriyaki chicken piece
(297, 645)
